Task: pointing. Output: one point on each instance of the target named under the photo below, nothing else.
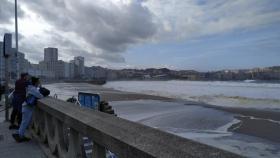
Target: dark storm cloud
(111, 28)
(7, 12)
(116, 28)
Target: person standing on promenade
(19, 96)
(33, 94)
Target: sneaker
(25, 139)
(20, 139)
(13, 127)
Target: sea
(247, 94)
(205, 125)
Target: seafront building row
(49, 68)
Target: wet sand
(126, 96)
(257, 127)
(255, 122)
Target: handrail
(61, 125)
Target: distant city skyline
(49, 67)
(194, 34)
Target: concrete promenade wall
(61, 125)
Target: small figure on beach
(33, 94)
(19, 95)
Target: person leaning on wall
(19, 96)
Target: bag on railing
(44, 91)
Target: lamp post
(16, 35)
(7, 49)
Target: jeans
(26, 119)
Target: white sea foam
(233, 94)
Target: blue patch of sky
(238, 49)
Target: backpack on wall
(44, 91)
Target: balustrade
(61, 125)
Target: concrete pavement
(9, 148)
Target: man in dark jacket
(18, 99)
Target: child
(33, 94)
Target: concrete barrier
(61, 125)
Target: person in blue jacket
(33, 94)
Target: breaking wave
(230, 94)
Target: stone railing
(61, 125)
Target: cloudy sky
(179, 34)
